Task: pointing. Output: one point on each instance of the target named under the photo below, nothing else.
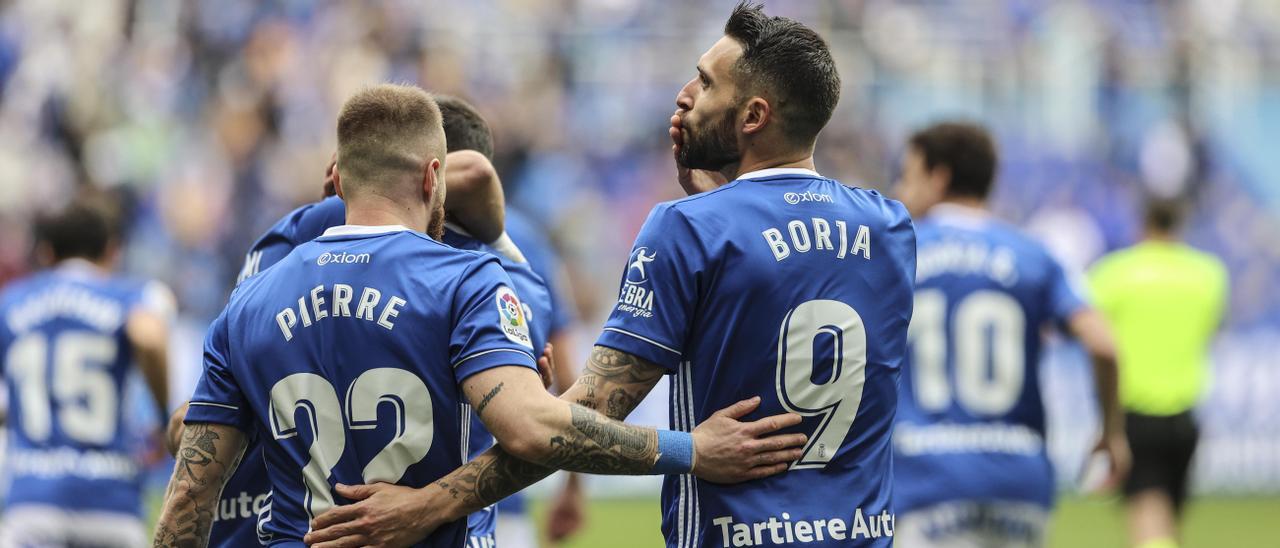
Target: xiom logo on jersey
(342, 258)
(511, 316)
(794, 198)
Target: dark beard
(435, 225)
(713, 148)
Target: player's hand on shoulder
(383, 515)
(728, 450)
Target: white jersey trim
(363, 230)
(478, 354)
(222, 405)
(775, 171)
(688, 516)
(645, 339)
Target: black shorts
(1162, 450)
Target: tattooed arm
(538, 434)
(208, 454)
(614, 382)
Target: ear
(758, 115)
(337, 181)
(430, 178)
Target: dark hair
(464, 127)
(1164, 215)
(790, 64)
(966, 150)
(82, 229)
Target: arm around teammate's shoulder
(537, 434)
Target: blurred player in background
(971, 464)
(70, 335)
(782, 284)
(475, 195)
(1165, 301)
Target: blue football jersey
(971, 422)
(298, 227)
(65, 360)
(307, 352)
(795, 288)
(248, 491)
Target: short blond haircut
(387, 134)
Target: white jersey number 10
(988, 349)
(836, 326)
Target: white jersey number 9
(838, 327)
(315, 396)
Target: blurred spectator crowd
(212, 118)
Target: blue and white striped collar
(775, 171)
(363, 230)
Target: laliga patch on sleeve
(512, 318)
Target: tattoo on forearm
(625, 378)
(590, 443)
(622, 368)
(484, 402)
(492, 477)
(599, 445)
(193, 490)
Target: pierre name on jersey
(337, 301)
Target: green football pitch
(1212, 522)
(1086, 523)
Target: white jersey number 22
(319, 399)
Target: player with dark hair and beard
(781, 285)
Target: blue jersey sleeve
(659, 290)
(1064, 297)
(491, 328)
(298, 227)
(218, 397)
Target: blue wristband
(675, 453)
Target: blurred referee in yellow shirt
(1164, 301)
